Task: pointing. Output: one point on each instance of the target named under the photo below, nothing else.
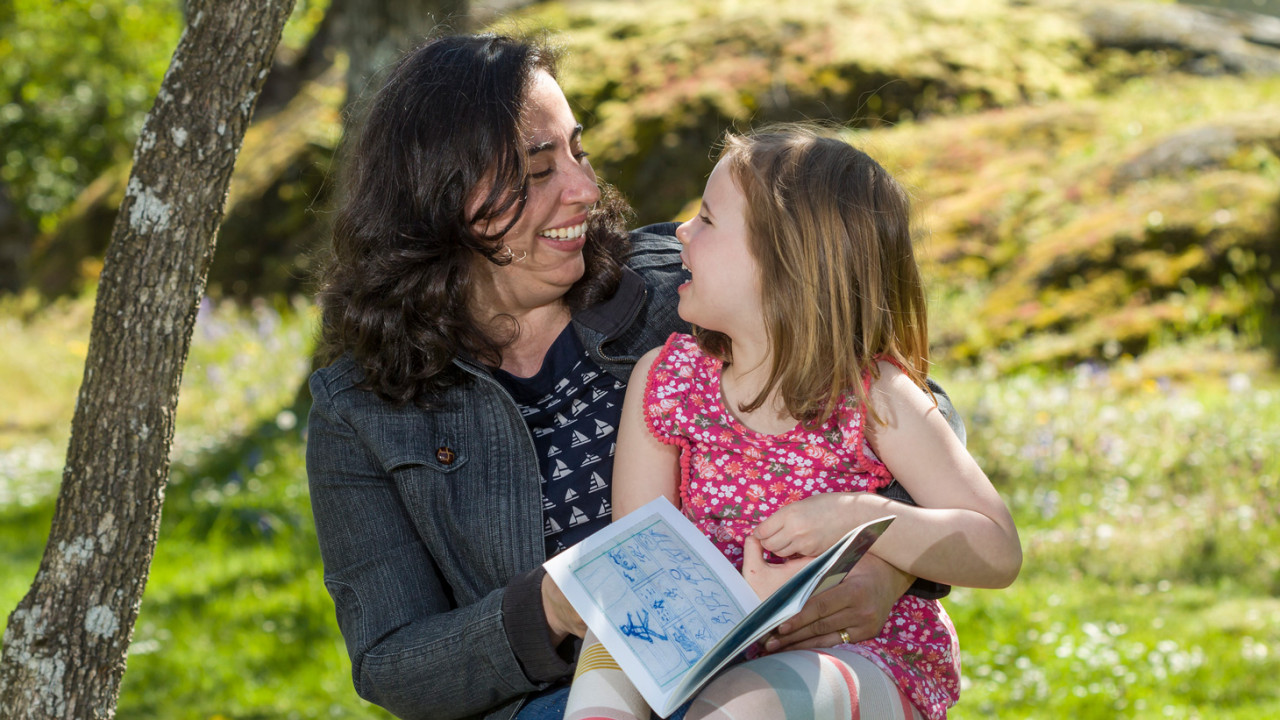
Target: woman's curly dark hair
(394, 289)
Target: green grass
(1144, 491)
(1147, 513)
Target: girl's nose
(682, 232)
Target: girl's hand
(811, 525)
(763, 576)
(562, 619)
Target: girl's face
(723, 293)
(547, 241)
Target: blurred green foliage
(76, 79)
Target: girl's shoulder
(676, 369)
(680, 349)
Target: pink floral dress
(732, 478)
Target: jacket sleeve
(412, 652)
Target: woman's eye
(541, 174)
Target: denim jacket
(430, 522)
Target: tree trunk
(375, 32)
(66, 643)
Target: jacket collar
(616, 314)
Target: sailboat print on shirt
(603, 428)
(550, 527)
(597, 483)
(561, 470)
(605, 509)
(578, 517)
(579, 439)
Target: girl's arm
(643, 466)
(961, 533)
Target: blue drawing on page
(640, 628)
(668, 605)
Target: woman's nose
(582, 187)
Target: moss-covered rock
(1082, 194)
(1102, 227)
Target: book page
(656, 591)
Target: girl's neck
(741, 382)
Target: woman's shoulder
(655, 254)
(339, 376)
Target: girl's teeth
(566, 233)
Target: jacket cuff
(527, 631)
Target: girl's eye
(706, 220)
(581, 155)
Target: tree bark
(65, 645)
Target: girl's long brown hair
(830, 231)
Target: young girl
(800, 394)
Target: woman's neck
(531, 332)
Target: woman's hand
(859, 606)
(562, 619)
(763, 576)
(811, 525)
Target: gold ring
(844, 637)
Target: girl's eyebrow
(551, 144)
(706, 209)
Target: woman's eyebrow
(551, 144)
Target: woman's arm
(405, 639)
(643, 466)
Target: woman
(483, 310)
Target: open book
(671, 609)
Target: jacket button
(446, 455)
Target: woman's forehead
(547, 116)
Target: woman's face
(547, 240)
(723, 292)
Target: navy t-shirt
(572, 408)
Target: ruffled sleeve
(667, 388)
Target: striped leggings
(796, 685)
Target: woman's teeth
(565, 233)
